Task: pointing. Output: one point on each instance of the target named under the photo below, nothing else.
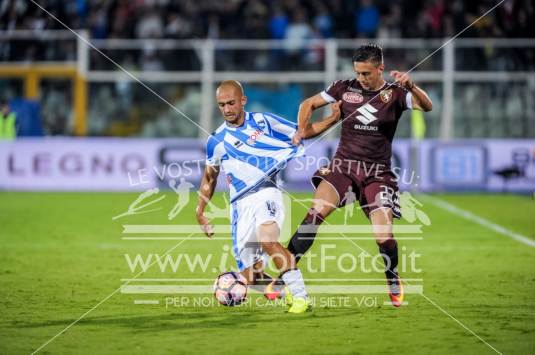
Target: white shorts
(246, 215)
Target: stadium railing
(481, 87)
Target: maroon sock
(389, 252)
(302, 240)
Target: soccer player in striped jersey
(252, 147)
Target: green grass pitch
(62, 254)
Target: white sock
(294, 280)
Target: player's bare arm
(420, 99)
(312, 130)
(307, 130)
(208, 184)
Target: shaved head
(231, 101)
(230, 84)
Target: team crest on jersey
(324, 171)
(353, 97)
(386, 95)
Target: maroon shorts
(373, 187)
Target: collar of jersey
(370, 91)
(243, 125)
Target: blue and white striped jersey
(257, 149)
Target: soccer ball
(230, 288)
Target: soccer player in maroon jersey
(370, 108)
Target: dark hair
(370, 52)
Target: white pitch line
(146, 302)
(480, 220)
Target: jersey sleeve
(280, 128)
(332, 93)
(404, 99)
(213, 151)
(401, 100)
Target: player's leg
(381, 214)
(381, 220)
(269, 218)
(245, 247)
(259, 280)
(330, 186)
(256, 278)
(382, 225)
(268, 235)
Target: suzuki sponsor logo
(367, 114)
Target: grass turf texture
(62, 254)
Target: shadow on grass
(220, 318)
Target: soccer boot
(275, 289)
(288, 298)
(300, 305)
(395, 293)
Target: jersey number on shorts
(272, 208)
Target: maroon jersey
(369, 126)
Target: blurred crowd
(122, 108)
(275, 19)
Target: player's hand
(206, 227)
(403, 79)
(336, 111)
(297, 138)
